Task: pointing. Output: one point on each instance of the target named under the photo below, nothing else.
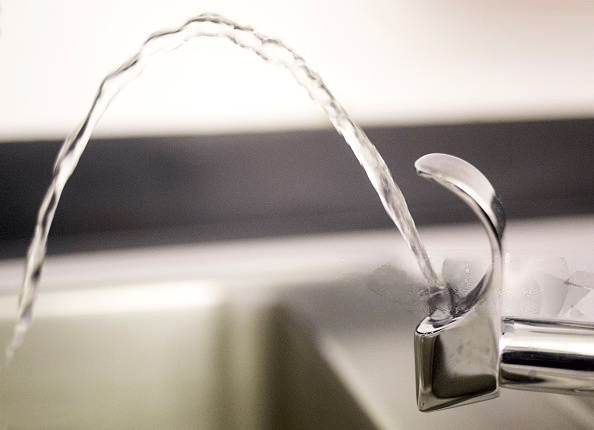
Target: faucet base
(456, 363)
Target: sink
(180, 337)
(299, 333)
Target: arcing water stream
(270, 50)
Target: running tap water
(270, 50)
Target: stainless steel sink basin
(304, 333)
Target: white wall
(388, 62)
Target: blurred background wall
(211, 143)
(389, 62)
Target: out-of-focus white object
(543, 288)
(579, 302)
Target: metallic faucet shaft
(551, 356)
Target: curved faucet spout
(468, 183)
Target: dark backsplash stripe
(159, 190)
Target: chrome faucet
(464, 349)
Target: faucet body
(457, 349)
(465, 355)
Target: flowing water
(270, 50)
